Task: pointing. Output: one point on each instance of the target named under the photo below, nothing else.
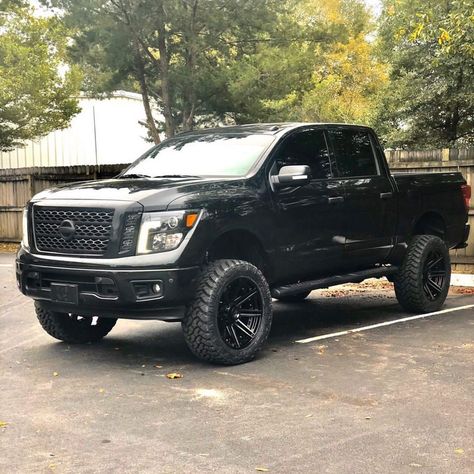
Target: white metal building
(106, 131)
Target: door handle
(386, 195)
(335, 200)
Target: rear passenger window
(306, 148)
(353, 152)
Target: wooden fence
(18, 185)
(461, 160)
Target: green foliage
(36, 89)
(207, 62)
(328, 73)
(430, 100)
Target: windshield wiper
(134, 175)
(176, 176)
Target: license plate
(64, 293)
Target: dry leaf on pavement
(174, 375)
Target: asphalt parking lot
(397, 398)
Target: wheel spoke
(234, 336)
(428, 291)
(251, 313)
(436, 273)
(434, 262)
(432, 284)
(244, 328)
(242, 299)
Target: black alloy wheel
(422, 281)
(434, 275)
(230, 317)
(240, 312)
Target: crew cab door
(370, 213)
(308, 218)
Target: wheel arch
(241, 244)
(430, 223)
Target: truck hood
(153, 194)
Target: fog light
(157, 288)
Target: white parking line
(6, 264)
(378, 325)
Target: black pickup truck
(208, 226)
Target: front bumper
(105, 291)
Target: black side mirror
(292, 176)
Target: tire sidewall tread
(408, 282)
(200, 324)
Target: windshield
(213, 154)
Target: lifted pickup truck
(208, 226)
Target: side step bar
(355, 277)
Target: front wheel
(231, 315)
(422, 283)
(72, 328)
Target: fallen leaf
(55, 374)
(101, 390)
(262, 469)
(174, 375)
(459, 451)
(309, 416)
(3, 424)
(368, 418)
(158, 366)
(143, 365)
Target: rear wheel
(294, 298)
(422, 283)
(72, 328)
(230, 317)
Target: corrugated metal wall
(106, 131)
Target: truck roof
(265, 128)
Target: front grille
(87, 231)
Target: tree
(174, 52)
(326, 72)
(430, 101)
(38, 93)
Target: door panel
(371, 218)
(309, 229)
(370, 207)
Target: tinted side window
(354, 153)
(306, 148)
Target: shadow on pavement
(132, 344)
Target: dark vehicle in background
(208, 226)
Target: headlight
(25, 240)
(164, 231)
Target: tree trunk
(170, 127)
(189, 99)
(154, 132)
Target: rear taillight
(466, 194)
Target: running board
(355, 277)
